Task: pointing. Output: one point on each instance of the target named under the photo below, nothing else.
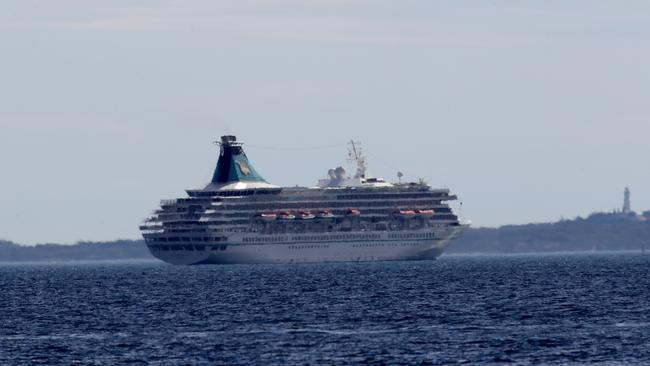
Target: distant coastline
(82, 251)
(599, 232)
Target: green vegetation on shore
(114, 250)
(598, 232)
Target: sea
(564, 309)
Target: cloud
(257, 20)
(281, 28)
(369, 22)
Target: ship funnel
(233, 165)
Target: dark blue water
(570, 309)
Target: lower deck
(366, 246)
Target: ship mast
(356, 155)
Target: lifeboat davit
(424, 213)
(266, 216)
(305, 215)
(407, 214)
(286, 215)
(353, 212)
(325, 214)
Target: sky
(530, 111)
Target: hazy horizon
(528, 111)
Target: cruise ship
(241, 218)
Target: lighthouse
(627, 207)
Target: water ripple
(572, 309)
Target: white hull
(385, 248)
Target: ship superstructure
(241, 218)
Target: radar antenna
(228, 140)
(218, 143)
(356, 155)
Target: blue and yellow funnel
(233, 165)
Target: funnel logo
(243, 167)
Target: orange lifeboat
(353, 212)
(424, 213)
(407, 214)
(266, 216)
(286, 215)
(305, 215)
(325, 214)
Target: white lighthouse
(627, 207)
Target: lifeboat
(407, 214)
(353, 212)
(325, 214)
(424, 213)
(305, 215)
(286, 215)
(266, 216)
